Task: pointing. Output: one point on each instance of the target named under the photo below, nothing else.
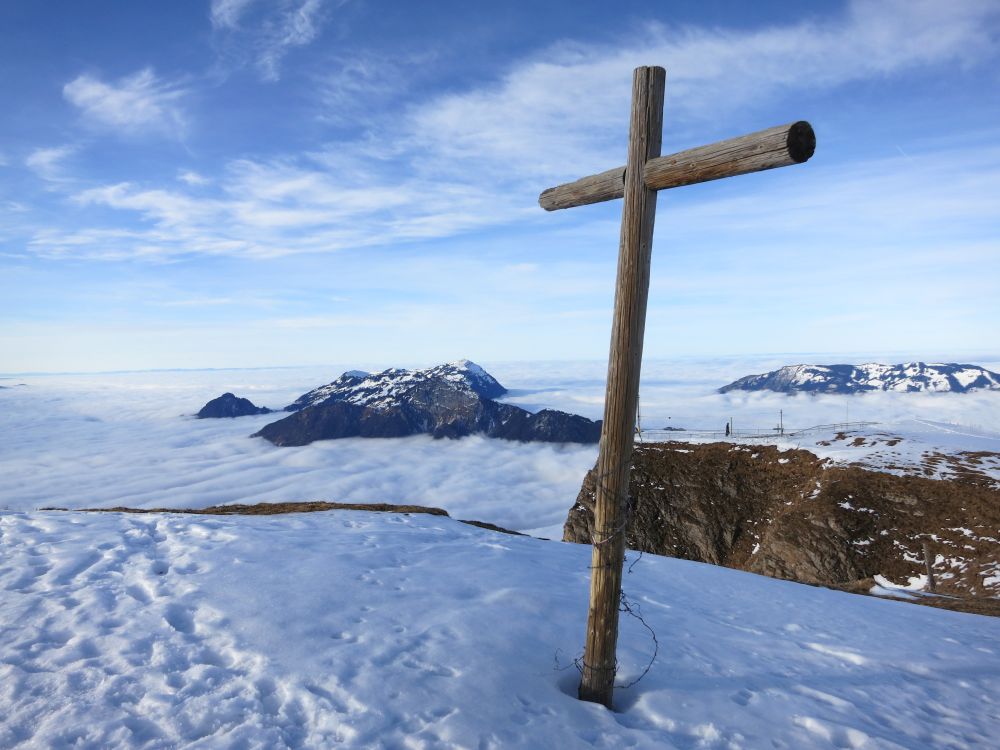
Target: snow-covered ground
(368, 630)
(911, 447)
(349, 629)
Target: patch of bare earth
(970, 467)
(980, 468)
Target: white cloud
(353, 89)
(225, 14)
(141, 102)
(192, 178)
(271, 33)
(298, 27)
(46, 162)
(563, 112)
(267, 209)
(164, 207)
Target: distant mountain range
(451, 400)
(847, 379)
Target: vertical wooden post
(624, 360)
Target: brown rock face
(788, 515)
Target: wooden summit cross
(644, 173)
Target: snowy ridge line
(390, 387)
(909, 377)
(987, 434)
(913, 447)
(773, 432)
(283, 508)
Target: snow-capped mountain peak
(390, 387)
(872, 376)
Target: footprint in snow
(179, 618)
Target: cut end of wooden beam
(801, 141)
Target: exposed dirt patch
(968, 467)
(790, 515)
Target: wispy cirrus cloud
(192, 178)
(225, 14)
(267, 209)
(138, 103)
(273, 208)
(356, 91)
(47, 162)
(263, 33)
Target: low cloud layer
(129, 439)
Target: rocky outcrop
(446, 401)
(846, 379)
(229, 405)
(789, 515)
(547, 426)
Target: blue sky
(245, 183)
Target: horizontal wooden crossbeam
(780, 146)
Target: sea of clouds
(100, 440)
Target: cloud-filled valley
(131, 439)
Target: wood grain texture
(779, 146)
(614, 459)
